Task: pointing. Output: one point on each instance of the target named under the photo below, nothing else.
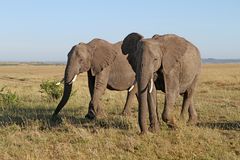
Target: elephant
(168, 63)
(106, 67)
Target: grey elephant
(106, 67)
(170, 62)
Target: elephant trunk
(69, 78)
(144, 85)
(65, 97)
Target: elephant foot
(55, 120)
(154, 128)
(171, 123)
(142, 133)
(192, 120)
(90, 115)
(169, 120)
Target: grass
(25, 132)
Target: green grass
(26, 133)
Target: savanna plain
(26, 132)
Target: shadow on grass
(235, 125)
(118, 122)
(25, 117)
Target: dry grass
(25, 132)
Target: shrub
(51, 90)
(8, 98)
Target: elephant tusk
(151, 86)
(58, 83)
(74, 79)
(131, 88)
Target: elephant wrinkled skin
(173, 64)
(106, 66)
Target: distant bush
(8, 98)
(51, 90)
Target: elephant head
(95, 56)
(79, 61)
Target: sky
(45, 30)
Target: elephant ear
(103, 55)
(129, 45)
(174, 48)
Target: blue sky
(46, 30)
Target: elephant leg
(171, 92)
(91, 82)
(100, 86)
(153, 112)
(192, 114)
(185, 105)
(191, 109)
(130, 96)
